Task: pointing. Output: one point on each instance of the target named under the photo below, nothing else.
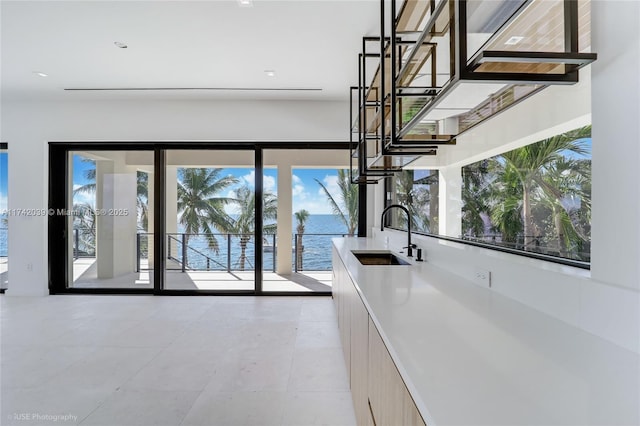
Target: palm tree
(416, 197)
(347, 198)
(476, 182)
(84, 223)
(564, 185)
(244, 225)
(529, 163)
(301, 218)
(142, 199)
(200, 208)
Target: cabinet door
(359, 357)
(391, 404)
(345, 331)
(336, 265)
(385, 384)
(340, 291)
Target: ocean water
(316, 254)
(4, 236)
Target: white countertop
(470, 356)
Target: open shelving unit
(440, 67)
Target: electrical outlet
(482, 277)
(30, 267)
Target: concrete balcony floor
(85, 276)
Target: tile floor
(144, 360)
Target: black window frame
(58, 279)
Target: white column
(374, 206)
(27, 190)
(450, 197)
(285, 226)
(116, 231)
(615, 228)
(171, 205)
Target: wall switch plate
(482, 277)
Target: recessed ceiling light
(245, 3)
(120, 44)
(270, 73)
(40, 74)
(514, 40)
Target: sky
(307, 193)
(586, 145)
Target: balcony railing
(219, 252)
(537, 244)
(193, 252)
(312, 252)
(84, 242)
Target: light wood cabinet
(391, 403)
(380, 397)
(359, 357)
(341, 289)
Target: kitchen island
(469, 356)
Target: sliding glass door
(210, 198)
(109, 217)
(310, 194)
(4, 217)
(193, 218)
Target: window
(416, 189)
(4, 218)
(534, 199)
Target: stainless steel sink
(377, 257)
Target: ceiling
(310, 44)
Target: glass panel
(416, 189)
(412, 14)
(210, 220)
(4, 219)
(485, 18)
(316, 203)
(409, 106)
(584, 26)
(496, 103)
(270, 222)
(536, 198)
(539, 28)
(425, 69)
(391, 162)
(110, 215)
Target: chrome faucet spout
(410, 246)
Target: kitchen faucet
(410, 246)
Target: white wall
(29, 126)
(616, 143)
